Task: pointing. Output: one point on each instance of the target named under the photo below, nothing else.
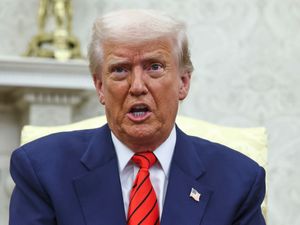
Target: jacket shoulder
(57, 146)
(215, 155)
(221, 153)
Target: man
(141, 68)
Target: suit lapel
(185, 172)
(99, 191)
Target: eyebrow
(117, 61)
(151, 56)
(157, 55)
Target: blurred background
(246, 55)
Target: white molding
(48, 97)
(44, 73)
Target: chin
(141, 131)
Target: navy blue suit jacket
(72, 178)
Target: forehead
(153, 49)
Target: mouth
(139, 112)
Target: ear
(99, 88)
(184, 85)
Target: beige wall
(247, 73)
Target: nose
(137, 84)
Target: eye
(118, 72)
(155, 67)
(119, 69)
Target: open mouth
(139, 111)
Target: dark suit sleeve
(29, 203)
(250, 211)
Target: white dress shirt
(159, 172)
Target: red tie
(143, 206)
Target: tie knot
(144, 159)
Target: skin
(146, 75)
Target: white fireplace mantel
(44, 73)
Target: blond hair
(134, 27)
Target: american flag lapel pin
(195, 195)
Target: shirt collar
(163, 153)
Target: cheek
(114, 88)
(167, 99)
(171, 89)
(115, 94)
(172, 95)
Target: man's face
(140, 86)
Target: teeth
(138, 114)
(139, 109)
